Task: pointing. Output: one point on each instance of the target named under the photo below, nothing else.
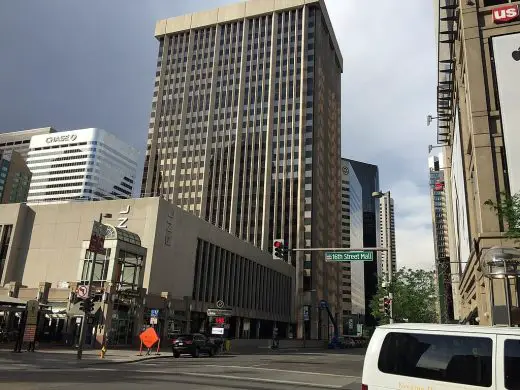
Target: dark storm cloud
(74, 64)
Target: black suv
(193, 344)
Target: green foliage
(414, 293)
(508, 209)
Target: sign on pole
(97, 238)
(82, 292)
(149, 337)
(154, 313)
(219, 313)
(349, 256)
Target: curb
(138, 359)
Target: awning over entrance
(6, 300)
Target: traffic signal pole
(84, 318)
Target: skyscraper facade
(388, 258)
(85, 164)
(15, 177)
(245, 129)
(19, 140)
(353, 273)
(440, 238)
(368, 176)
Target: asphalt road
(319, 370)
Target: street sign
(219, 313)
(82, 292)
(153, 320)
(217, 330)
(349, 256)
(154, 313)
(323, 303)
(149, 337)
(220, 304)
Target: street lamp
(90, 280)
(388, 229)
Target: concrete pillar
(187, 309)
(14, 289)
(105, 323)
(140, 303)
(165, 296)
(237, 327)
(43, 292)
(258, 324)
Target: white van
(442, 357)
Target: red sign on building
(439, 186)
(506, 13)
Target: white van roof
(505, 330)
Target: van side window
(512, 364)
(455, 359)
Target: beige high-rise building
(19, 140)
(245, 132)
(388, 258)
(477, 125)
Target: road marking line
(279, 370)
(261, 380)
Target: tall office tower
(387, 238)
(19, 140)
(368, 176)
(245, 128)
(15, 177)
(440, 238)
(353, 273)
(86, 164)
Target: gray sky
(74, 64)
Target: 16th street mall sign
(349, 256)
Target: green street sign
(349, 256)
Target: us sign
(505, 14)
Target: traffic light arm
(378, 249)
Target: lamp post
(501, 263)
(388, 229)
(90, 280)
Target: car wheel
(212, 352)
(196, 354)
(176, 355)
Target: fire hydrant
(103, 351)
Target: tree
(508, 209)
(414, 297)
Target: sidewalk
(61, 357)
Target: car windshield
(184, 337)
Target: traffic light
(387, 308)
(278, 249)
(86, 306)
(381, 305)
